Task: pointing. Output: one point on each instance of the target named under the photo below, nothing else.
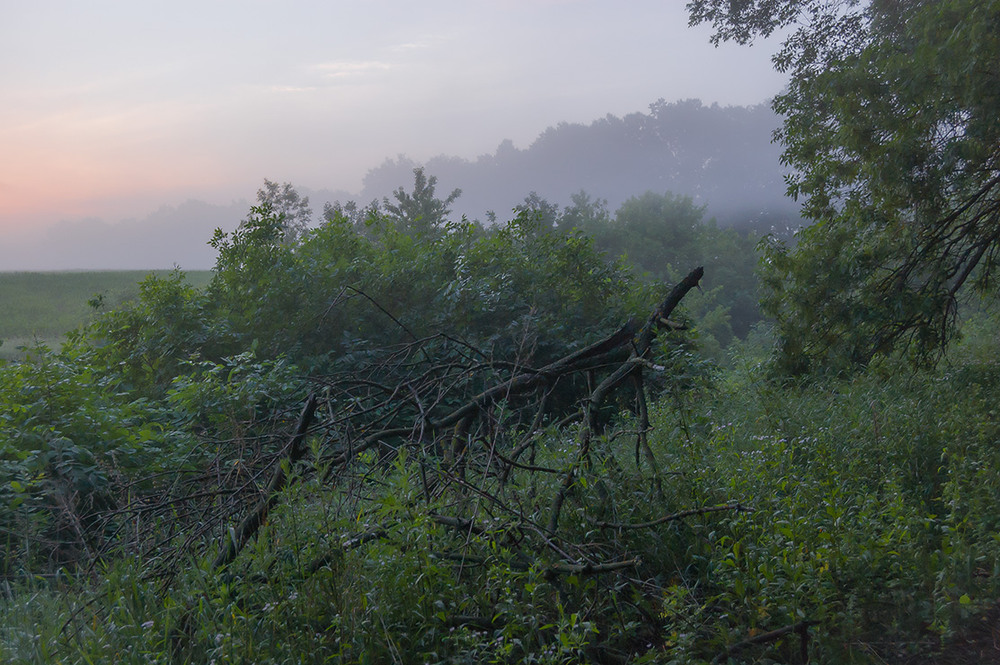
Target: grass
(43, 306)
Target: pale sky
(114, 109)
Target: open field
(43, 306)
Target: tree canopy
(892, 136)
(293, 209)
(421, 211)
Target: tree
(893, 140)
(288, 205)
(538, 209)
(655, 229)
(585, 213)
(421, 211)
(357, 216)
(661, 234)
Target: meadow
(40, 307)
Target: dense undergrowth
(869, 509)
(460, 478)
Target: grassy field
(43, 306)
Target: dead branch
(672, 517)
(643, 342)
(234, 541)
(523, 563)
(464, 525)
(529, 380)
(801, 627)
(593, 568)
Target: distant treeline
(721, 157)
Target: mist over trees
(720, 156)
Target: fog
(721, 157)
(131, 131)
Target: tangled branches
(495, 464)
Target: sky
(111, 110)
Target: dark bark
(234, 541)
(802, 628)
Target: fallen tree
(426, 390)
(471, 438)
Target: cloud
(293, 89)
(328, 75)
(423, 42)
(350, 68)
(411, 46)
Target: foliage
(343, 289)
(891, 134)
(544, 214)
(658, 235)
(868, 495)
(66, 438)
(867, 500)
(143, 343)
(743, 21)
(234, 397)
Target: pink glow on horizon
(42, 183)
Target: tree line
(722, 157)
